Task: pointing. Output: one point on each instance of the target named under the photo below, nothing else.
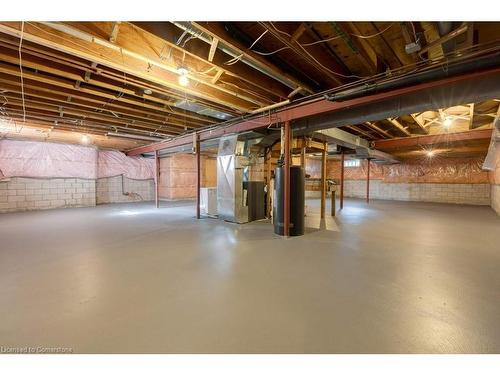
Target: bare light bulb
(430, 153)
(183, 80)
(85, 139)
(447, 122)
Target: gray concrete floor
(390, 277)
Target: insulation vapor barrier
(54, 160)
(460, 170)
(114, 163)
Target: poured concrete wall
(121, 189)
(22, 194)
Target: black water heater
(297, 200)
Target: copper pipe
(286, 193)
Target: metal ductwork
(337, 137)
(483, 88)
(429, 75)
(490, 162)
(232, 172)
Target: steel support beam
(342, 159)
(323, 180)
(368, 180)
(321, 107)
(198, 177)
(268, 182)
(157, 179)
(286, 195)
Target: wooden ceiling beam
(36, 121)
(114, 31)
(431, 34)
(213, 49)
(77, 124)
(320, 63)
(217, 76)
(433, 139)
(37, 65)
(471, 116)
(197, 50)
(443, 39)
(104, 120)
(299, 31)
(77, 109)
(214, 29)
(100, 74)
(408, 39)
(51, 55)
(65, 86)
(378, 129)
(364, 45)
(419, 122)
(398, 125)
(356, 47)
(361, 131)
(140, 64)
(86, 101)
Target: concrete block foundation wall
(22, 194)
(477, 194)
(119, 189)
(460, 181)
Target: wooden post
(268, 178)
(323, 180)
(303, 158)
(368, 181)
(286, 193)
(157, 179)
(342, 181)
(198, 176)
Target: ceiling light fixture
(430, 154)
(447, 122)
(183, 76)
(85, 139)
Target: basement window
(352, 163)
